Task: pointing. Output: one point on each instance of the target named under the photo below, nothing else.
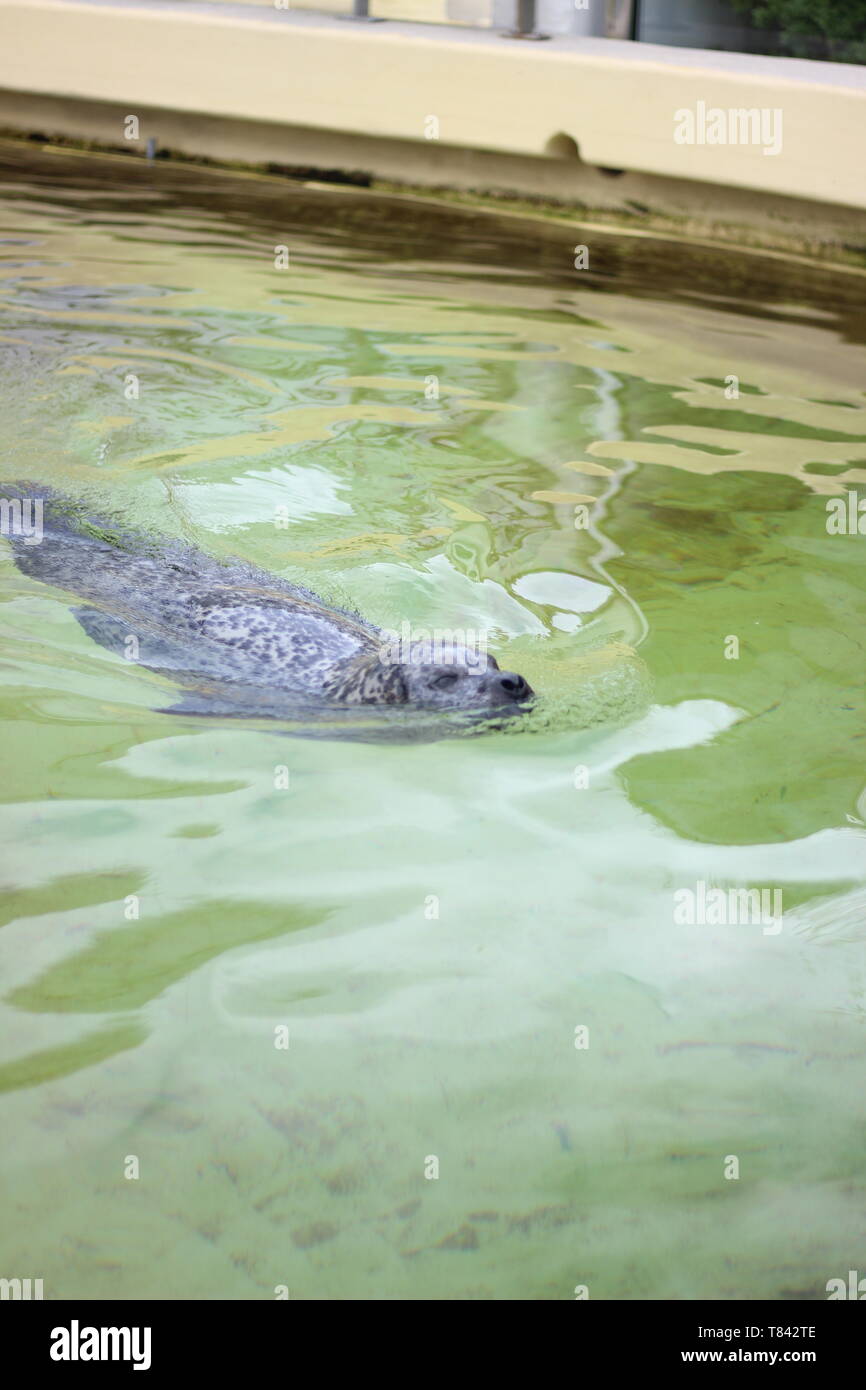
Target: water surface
(409, 419)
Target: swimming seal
(243, 642)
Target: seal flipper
(219, 704)
(110, 632)
(198, 703)
(144, 649)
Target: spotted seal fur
(243, 642)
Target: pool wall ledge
(595, 122)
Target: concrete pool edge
(547, 217)
(360, 99)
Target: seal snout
(509, 686)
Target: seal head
(458, 679)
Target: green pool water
(513, 1070)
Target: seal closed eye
(241, 641)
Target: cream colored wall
(476, 12)
(616, 100)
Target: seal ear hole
(562, 146)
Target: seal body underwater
(241, 641)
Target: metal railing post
(361, 10)
(524, 27)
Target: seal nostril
(512, 685)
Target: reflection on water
(433, 418)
